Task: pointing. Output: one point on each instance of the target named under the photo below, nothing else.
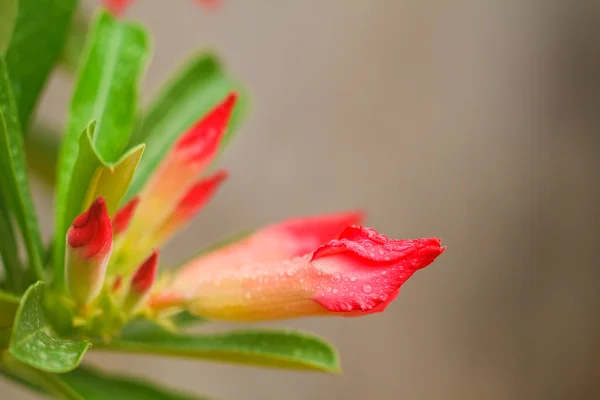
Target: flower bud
(89, 244)
(141, 283)
(121, 220)
(189, 205)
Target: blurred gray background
(473, 121)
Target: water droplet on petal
(336, 278)
(336, 291)
(367, 288)
(354, 278)
(383, 273)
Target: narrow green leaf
(194, 90)
(8, 309)
(106, 91)
(92, 384)
(277, 349)
(13, 173)
(41, 146)
(75, 42)
(55, 385)
(36, 44)
(33, 341)
(8, 17)
(8, 247)
(93, 177)
(86, 382)
(36, 380)
(107, 87)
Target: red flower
(299, 268)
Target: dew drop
(336, 278)
(367, 288)
(383, 273)
(336, 291)
(354, 278)
(301, 280)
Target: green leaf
(86, 381)
(36, 44)
(277, 349)
(107, 87)
(93, 177)
(8, 247)
(33, 341)
(195, 89)
(106, 91)
(41, 146)
(92, 384)
(8, 309)
(8, 17)
(13, 173)
(53, 384)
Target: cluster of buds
(322, 265)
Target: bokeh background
(474, 121)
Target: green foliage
(37, 42)
(92, 384)
(8, 17)
(13, 173)
(8, 309)
(278, 349)
(33, 341)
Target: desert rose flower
(303, 267)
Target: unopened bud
(121, 220)
(89, 244)
(141, 283)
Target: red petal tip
(145, 275)
(200, 143)
(377, 267)
(92, 229)
(199, 194)
(123, 216)
(117, 7)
